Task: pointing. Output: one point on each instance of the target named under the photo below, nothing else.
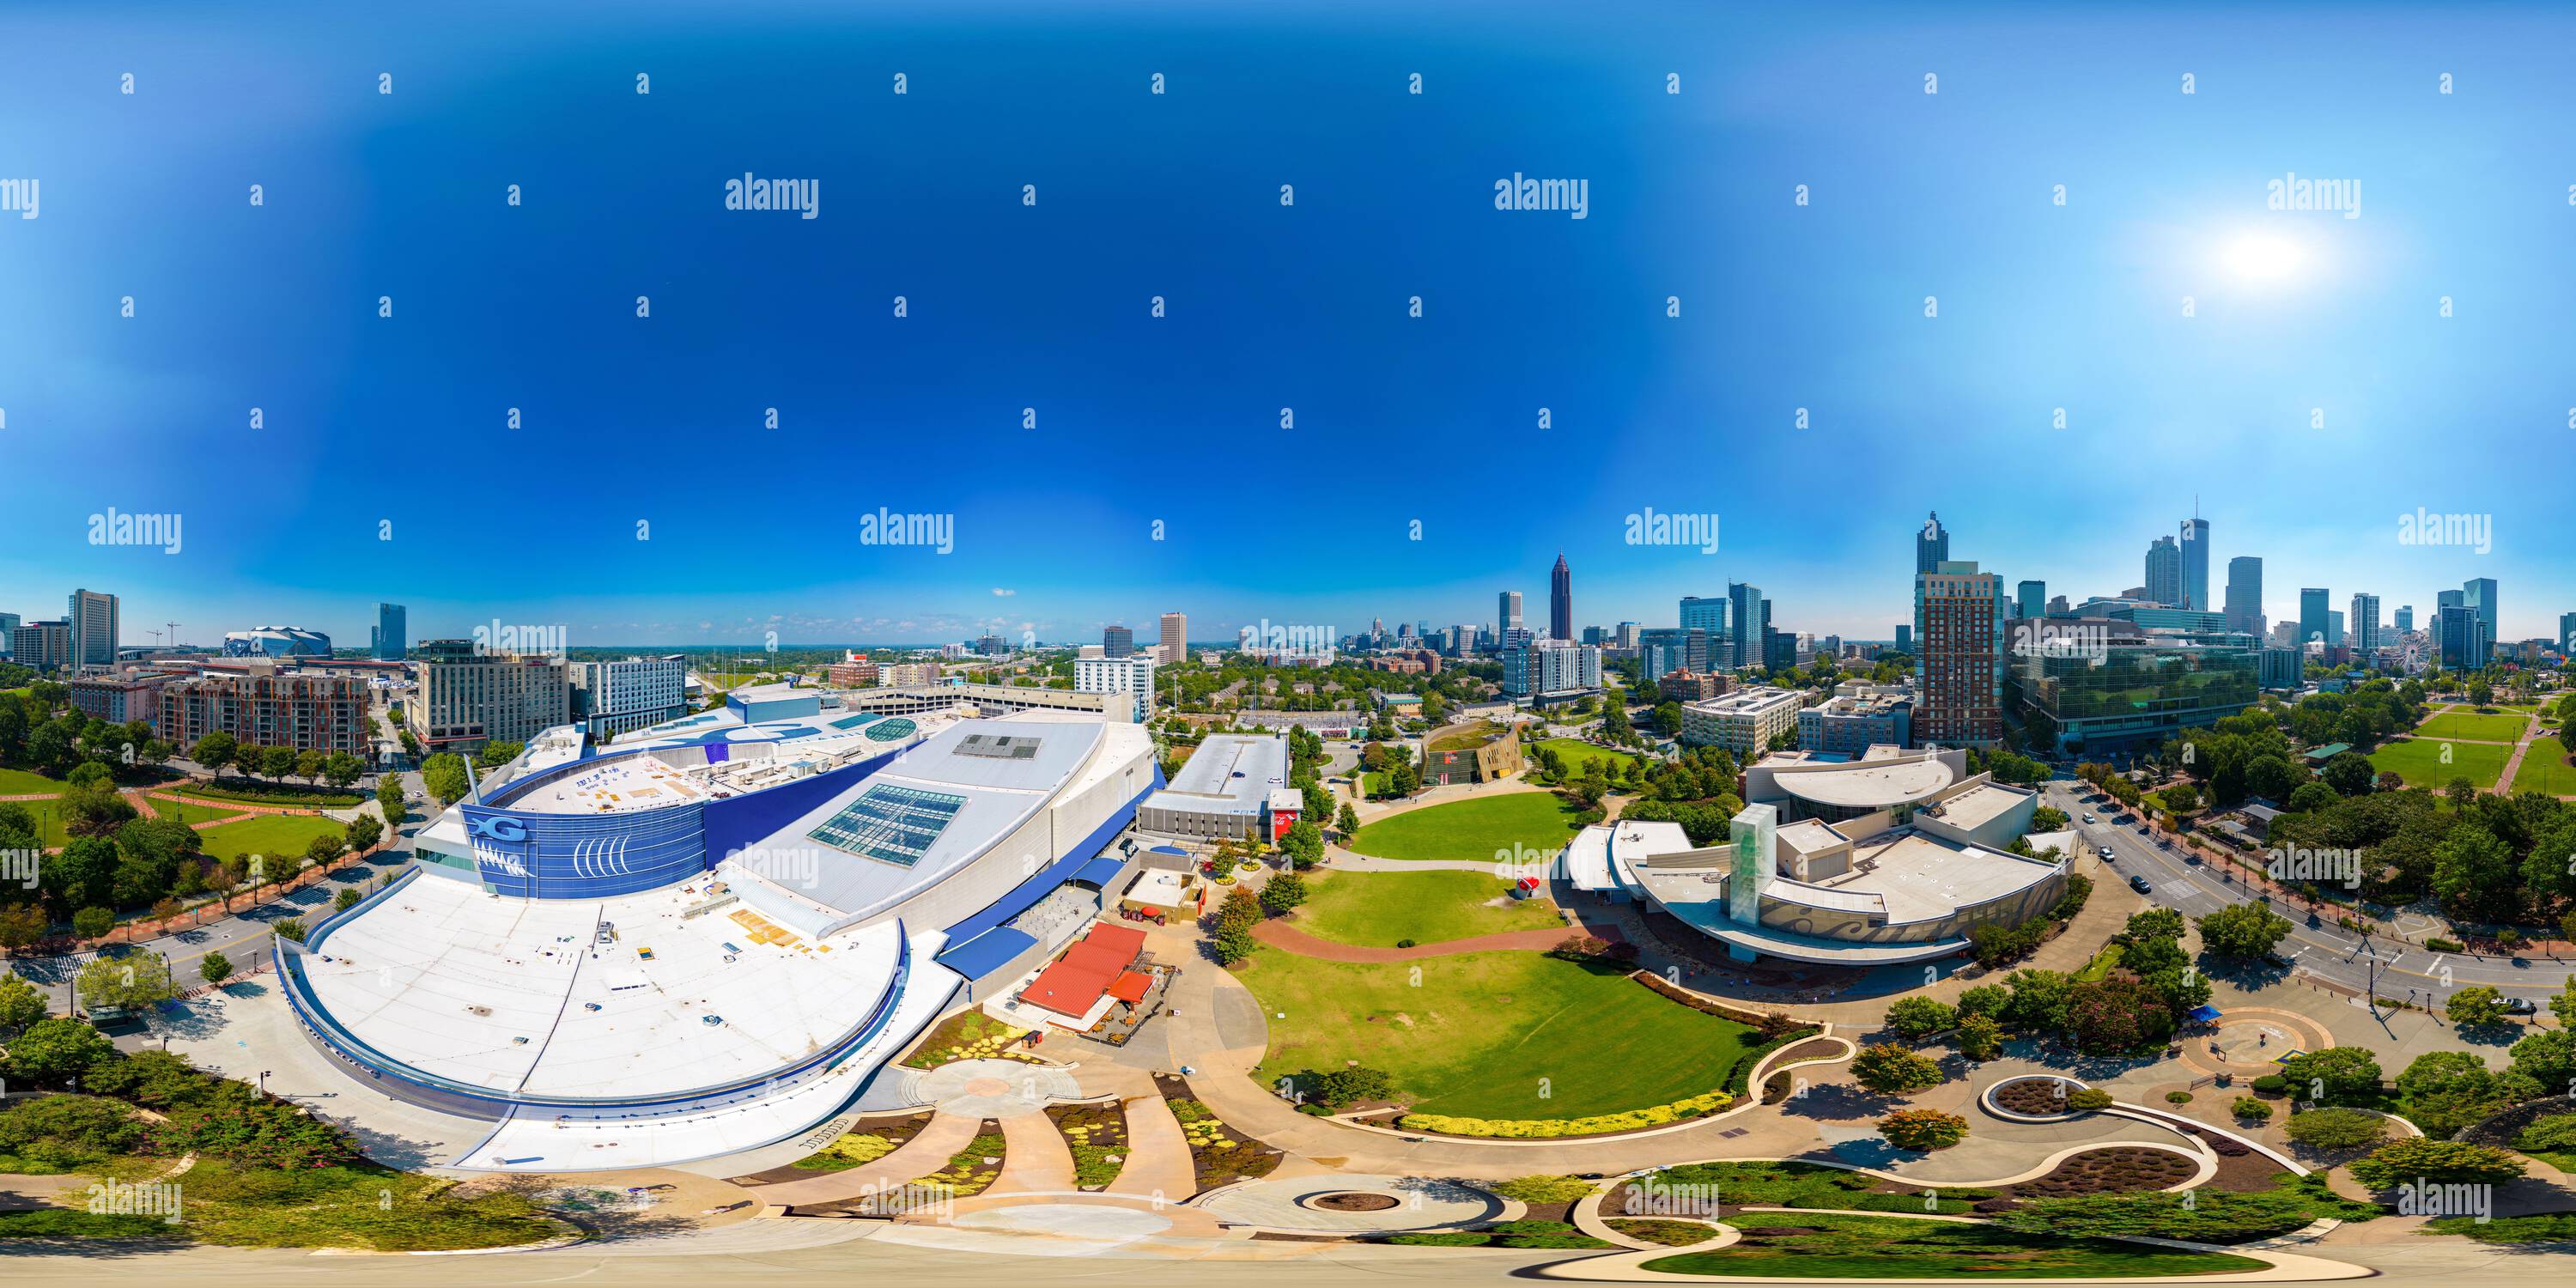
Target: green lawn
(1471, 829)
(1493, 1035)
(1887, 1247)
(1577, 753)
(292, 795)
(1810, 1186)
(1379, 909)
(276, 835)
(2419, 762)
(1471, 738)
(19, 782)
(2545, 769)
(2464, 724)
(49, 821)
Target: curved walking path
(939, 1140)
(1035, 1159)
(1158, 1162)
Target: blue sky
(371, 421)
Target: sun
(2261, 257)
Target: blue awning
(2204, 1014)
(987, 952)
(1100, 871)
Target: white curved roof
(1867, 784)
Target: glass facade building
(2125, 692)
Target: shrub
(2423, 1160)
(2177, 1097)
(2271, 1084)
(1339, 1087)
(1893, 1070)
(1980, 1038)
(2333, 1074)
(2089, 1098)
(1985, 999)
(1920, 1017)
(1282, 893)
(2336, 1128)
(1923, 1130)
(1442, 1239)
(2252, 1110)
(2440, 945)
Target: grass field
(194, 812)
(272, 794)
(1471, 829)
(2545, 769)
(1380, 909)
(2463, 724)
(1493, 1035)
(2419, 762)
(49, 821)
(20, 782)
(1842, 1246)
(1577, 753)
(276, 835)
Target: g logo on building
(498, 828)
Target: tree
(2120, 1015)
(2048, 818)
(444, 776)
(2475, 1007)
(1339, 1087)
(2251, 1109)
(2474, 873)
(1232, 944)
(2152, 924)
(214, 751)
(2312, 796)
(1238, 911)
(2332, 1129)
(341, 769)
(93, 922)
(1304, 844)
(1923, 1130)
(2242, 930)
(1348, 821)
(309, 764)
(326, 849)
(2564, 1005)
(364, 832)
(279, 762)
(289, 928)
(56, 1051)
(215, 968)
(389, 798)
(21, 1003)
(133, 982)
(346, 900)
(22, 925)
(2349, 773)
(1920, 1017)
(2041, 1000)
(2333, 1074)
(2424, 1160)
(1893, 1070)
(1980, 1038)
(1282, 893)
(1985, 999)
(2548, 1058)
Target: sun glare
(2263, 258)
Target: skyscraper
(2405, 619)
(1708, 613)
(1117, 641)
(2032, 597)
(2363, 622)
(2567, 633)
(1560, 601)
(2245, 595)
(1176, 637)
(2164, 572)
(1931, 545)
(93, 621)
(2312, 615)
(1509, 614)
(8, 633)
(1959, 622)
(2195, 564)
(393, 633)
(2479, 596)
(2450, 599)
(1746, 607)
(2460, 639)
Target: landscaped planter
(2035, 1097)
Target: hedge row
(1740, 1079)
(1596, 1125)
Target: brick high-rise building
(1959, 638)
(306, 712)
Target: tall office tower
(93, 619)
(1904, 637)
(2164, 572)
(2334, 628)
(1509, 613)
(2059, 604)
(2364, 624)
(1176, 637)
(2460, 637)
(1931, 545)
(2567, 633)
(1707, 613)
(2312, 615)
(1117, 641)
(8, 633)
(2405, 619)
(2450, 599)
(1959, 617)
(1560, 600)
(1744, 618)
(2195, 564)
(1626, 636)
(2480, 597)
(2032, 599)
(393, 632)
(2245, 595)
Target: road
(2323, 949)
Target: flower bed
(863, 1143)
(1097, 1135)
(1545, 1128)
(1671, 1234)
(2035, 1097)
(2119, 1170)
(1217, 1154)
(967, 1174)
(968, 1035)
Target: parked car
(2140, 885)
(2521, 1006)
(2090, 819)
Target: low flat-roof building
(1224, 792)
(1745, 721)
(1853, 723)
